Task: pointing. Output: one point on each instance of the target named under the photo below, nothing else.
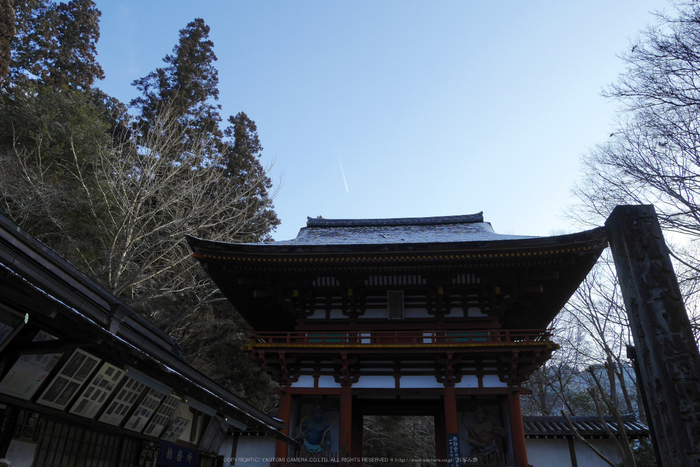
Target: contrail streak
(342, 171)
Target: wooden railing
(444, 337)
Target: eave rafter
(347, 261)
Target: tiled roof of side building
(445, 229)
(586, 426)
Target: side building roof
(63, 301)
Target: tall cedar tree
(49, 106)
(188, 86)
(50, 112)
(7, 33)
(53, 49)
(56, 43)
(241, 151)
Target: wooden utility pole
(667, 354)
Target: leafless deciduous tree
(590, 374)
(410, 438)
(139, 203)
(653, 154)
(593, 333)
(557, 384)
(121, 216)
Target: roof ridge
(580, 418)
(399, 221)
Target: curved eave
(295, 256)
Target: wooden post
(632, 355)
(667, 354)
(284, 413)
(517, 429)
(345, 441)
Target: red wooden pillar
(451, 422)
(284, 413)
(517, 429)
(345, 442)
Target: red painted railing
(443, 337)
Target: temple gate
(438, 316)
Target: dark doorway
(393, 440)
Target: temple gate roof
(336, 264)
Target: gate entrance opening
(399, 440)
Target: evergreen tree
(51, 115)
(7, 33)
(50, 108)
(241, 153)
(187, 85)
(55, 43)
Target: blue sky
(430, 108)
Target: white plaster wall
(375, 382)
(202, 422)
(548, 452)
(455, 313)
(305, 381)
(587, 458)
(254, 451)
(375, 314)
(555, 452)
(468, 382)
(368, 381)
(419, 382)
(338, 314)
(327, 381)
(492, 381)
(416, 313)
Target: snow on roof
(446, 229)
